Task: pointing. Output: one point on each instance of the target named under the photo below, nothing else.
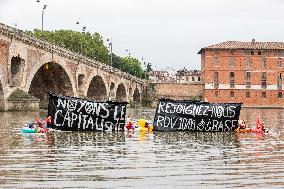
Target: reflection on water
(139, 160)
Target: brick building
(162, 77)
(247, 72)
(188, 76)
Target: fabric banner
(77, 114)
(185, 115)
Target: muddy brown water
(134, 160)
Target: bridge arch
(130, 91)
(17, 70)
(136, 95)
(81, 83)
(50, 77)
(97, 89)
(121, 93)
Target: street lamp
(144, 63)
(128, 52)
(83, 31)
(77, 22)
(44, 7)
(110, 46)
(42, 13)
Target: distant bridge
(36, 67)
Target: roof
(246, 45)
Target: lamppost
(44, 7)
(144, 63)
(127, 52)
(83, 31)
(110, 87)
(110, 46)
(42, 14)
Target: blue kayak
(28, 130)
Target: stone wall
(23, 105)
(178, 91)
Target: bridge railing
(51, 47)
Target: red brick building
(247, 72)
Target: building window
(193, 79)
(232, 94)
(279, 82)
(198, 78)
(259, 52)
(232, 79)
(216, 61)
(248, 63)
(263, 80)
(248, 80)
(216, 80)
(252, 52)
(216, 94)
(232, 61)
(215, 58)
(263, 62)
(247, 94)
(279, 62)
(263, 94)
(279, 94)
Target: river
(134, 160)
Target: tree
(132, 66)
(117, 61)
(92, 46)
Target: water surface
(135, 160)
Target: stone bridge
(36, 67)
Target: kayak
(34, 130)
(255, 130)
(246, 130)
(28, 130)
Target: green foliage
(132, 66)
(128, 64)
(92, 46)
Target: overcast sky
(168, 33)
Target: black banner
(196, 116)
(77, 114)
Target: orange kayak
(246, 130)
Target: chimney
(253, 41)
